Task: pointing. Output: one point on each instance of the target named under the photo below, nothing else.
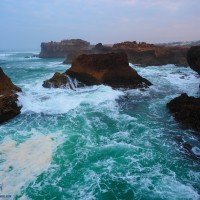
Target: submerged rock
(110, 69)
(186, 110)
(8, 98)
(193, 58)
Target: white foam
(180, 78)
(58, 101)
(196, 151)
(24, 162)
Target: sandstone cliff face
(109, 69)
(150, 55)
(193, 58)
(142, 53)
(61, 49)
(186, 110)
(8, 98)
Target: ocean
(96, 142)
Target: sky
(27, 23)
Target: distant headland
(139, 53)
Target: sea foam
(22, 163)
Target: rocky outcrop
(109, 69)
(97, 49)
(6, 86)
(61, 49)
(186, 110)
(141, 53)
(57, 81)
(145, 54)
(8, 98)
(193, 58)
(132, 45)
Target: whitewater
(95, 142)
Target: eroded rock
(110, 69)
(193, 58)
(8, 98)
(186, 110)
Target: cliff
(61, 49)
(151, 55)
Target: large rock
(186, 110)
(8, 98)
(109, 69)
(6, 86)
(57, 81)
(145, 54)
(193, 58)
(97, 49)
(61, 49)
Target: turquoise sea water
(96, 142)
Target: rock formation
(61, 49)
(57, 81)
(141, 53)
(186, 110)
(8, 98)
(109, 69)
(98, 48)
(193, 58)
(145, 54)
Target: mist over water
(96, 142)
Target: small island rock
(186, 110)
(110, 69)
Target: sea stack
(110, 69)
(63, 48)
(8, 98)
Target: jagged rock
(6, 86)
(193, 58)
(8, 107)
(98, 48)
(61, 49)
(57, 81)
(109, 69)
(141, 53)
(145, 54)
(8, 98)
(132, 45)
(186, 110)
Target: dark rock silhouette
(186, 110)
(193, 58)
(8, 98)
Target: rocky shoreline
(141, 53)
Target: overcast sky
(26, 23)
